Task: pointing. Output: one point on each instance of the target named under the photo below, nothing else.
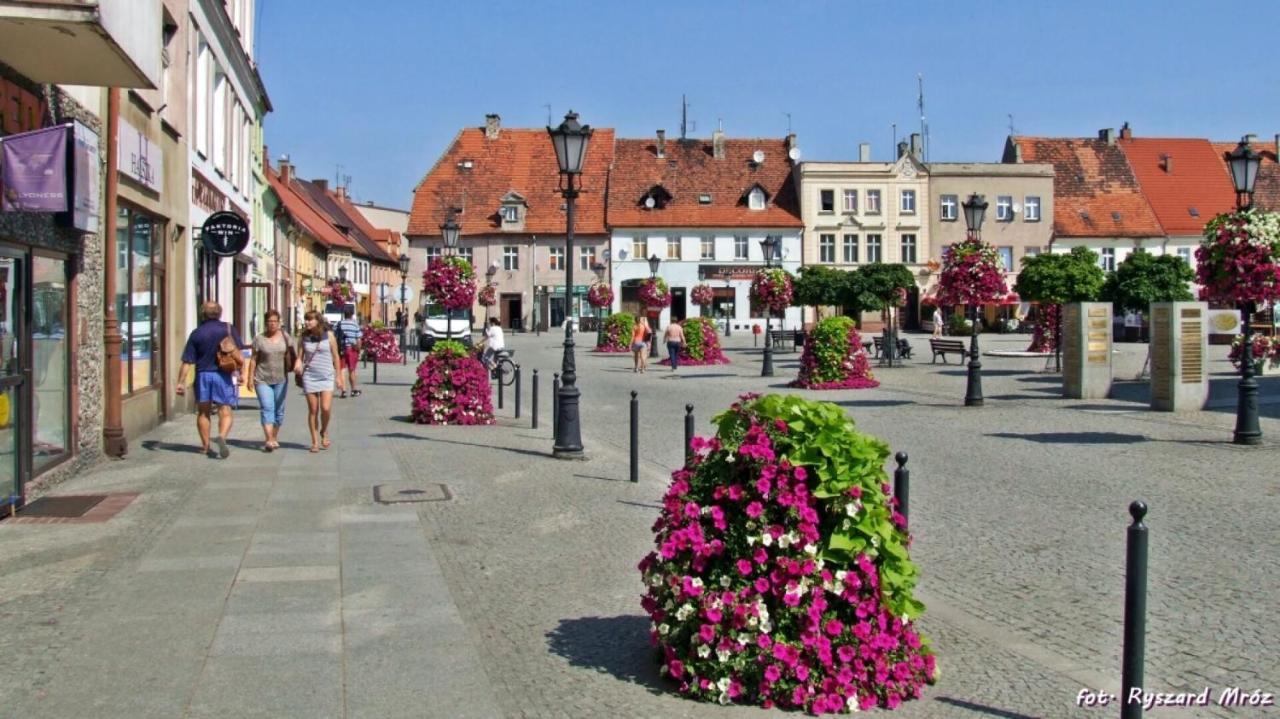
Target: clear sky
(381, 87)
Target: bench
(779, 339)
(945, 347)
(904, 347)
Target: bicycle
(503, 369)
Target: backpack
(229, 358)
(340, 335)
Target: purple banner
(33, 171)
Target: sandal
(356, 392)
(314, 449)
(343, 395)
(324, 442)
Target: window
(873, 202)
(873, 248)
(826, 248)
(1031, 251)
(510, 213)
(52, 425)
(510, 258)
(1004, 208)
(1031, 208)
(850, 248)
(673, 248)
(850, 200)
(640, 248)
(827, 200)
(755, 200)
(908, 205)
(1006, 258)
(707, 248)
(139, 261)
(1185, 254)
(434, 252)
(586, 257)
(555, 259)
(202, 97)
(219, 110)
(467, 253)
(1107, 259)
(947, 209)
(740, 247)
(909, 249)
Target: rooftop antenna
(1012, 130)
(337, 175)
(684, 117)
(346, 183)
(788, 122)
(548, 106)
(924, 126)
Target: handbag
(290, 354)
(229, 358)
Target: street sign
(392, 294)
(225, 234)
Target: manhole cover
(65, 506)
(403, 492)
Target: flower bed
(781, 575)
(1266, 352)
(452, 387)
(834, 358)
(616, 333)
(450, 281)
(701, 343)
(654, 294)
(772, 289)
(382, 345)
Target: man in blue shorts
(213, 386)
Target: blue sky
(381, 87)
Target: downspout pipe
(115, 444)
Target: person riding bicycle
(493, 343)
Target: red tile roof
(519, 160)
(1266, 191)
(1193, 177)
(1095, 193)
(316, 223)
(689, 170)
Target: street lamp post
(728, 285)
(1244, 163)
(770, 247)
(570, 141)
(975, 209)
(450, 231)
(404, 274)
(488, 282)
(654, 261)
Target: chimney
(1276, 148)
(864, 152)
(1125, 132)
(341, 192)
(917, 148)
(902, 149)
(492, 127)
(791, 142)
(1167, 161)
(286, 169)
(1108, 134)
(662, 143)
(717, 144)
(322, 184)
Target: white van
(438, 324)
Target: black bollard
(534, 414)
(375, 369)
(902, 486)
(500, 383)
(517, 391)
(635, 437)
(1135, 613)
(555, 403)
(688, 433)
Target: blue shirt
(204, 342)
(350, 332)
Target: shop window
(51, 370)
(139, 252)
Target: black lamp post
(570, 141)
(1244, 163)
(728, 283)
(404, 305)
(975, 208)
(450, 230)
(654, 261)
(488, 281)
(770, 247)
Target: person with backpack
(350, 341)
(213, 350)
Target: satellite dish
(1017, 207)
(605, 255)
(794, 154)
(622, 254)
(649, 202)
(757, 157)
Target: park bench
(904, 347)
(780, 338)
(945, 347)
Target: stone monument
(1086, 350)
(1179, 343)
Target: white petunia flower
(725, 581)
(729, 458)
(766, 539)
(811, 549)
(751, 541)
(697, 582)
(663, 629)
(704, 651)
(723, 684)
(722, 655)
(852, 703)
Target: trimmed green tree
(1144, 278)
(1054, 279)
(885, 285)
(819, 286)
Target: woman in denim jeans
(271, 351)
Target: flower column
(972, 275)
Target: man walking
(212, 385)
(350, 337)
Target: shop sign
(85, 195)
(139, 158)
(730, 272)
(34, 171)
(225, 234)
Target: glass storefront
(11, 360)
(139, 275)
(51, 359)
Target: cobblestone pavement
(272, 584)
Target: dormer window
(511, 211)
(756, 198)
(655, 198)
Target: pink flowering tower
(452, 387)
(781, 575)
(972, 274)
(654, 294)
(615, 333)
(339, 293)
(702, 295)
(834, 358)
(772, 289)
(701, 343)
(451, 282)
(600, 296)
(382, 345)
(1237, 260)
(1044, 336)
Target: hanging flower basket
(972, 274)
(654, 294)
(772, 289)
(1266, 353)
(452, 388)
(702, 295)
(1236, 261)
(451, 282)
(701, 343)
(615, 336)
(487, 296)
(834, 358)
(339, 293)
(600, 296)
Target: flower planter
(834, 358)
(452, 388)
(702, 343)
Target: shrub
(958, 325)
(701, 343)
(781, 574)
(452, 387)
(616, 333)
(834, 358)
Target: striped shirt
(350, 332)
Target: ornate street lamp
(1244, 163)
(654, 261)
(449, 230)
(770, 247)
(488, 281)
(404, 305)
(570, 141)
(975, 210)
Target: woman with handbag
(274, 357)
(320, 368)
(213, 350)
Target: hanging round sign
(225, 234)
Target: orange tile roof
(1266, 191)
(316, 223)
(519, 160)
(1095, 193)
(1195, 178)
(689, 170)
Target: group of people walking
(641, 335)
(317, 360)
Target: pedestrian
(674, 337)
(639, 344)
(937, 321)
(320, 368)
(213, 350)
(399, 318)
(274, 356)
(350, 341)
(493, 341)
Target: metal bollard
(375, 369)
(555, 404)
(635, 437)
(902, 486)
(688, 434)
(500, 383)
(534, 408)
(1135, 612)
(517, 391)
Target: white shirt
(493, 338)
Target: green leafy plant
(1144, 278)
(819, 286)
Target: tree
(883, 282)
(819, 286)
(1144, 278)
(1057, 278)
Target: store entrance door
(14, 372)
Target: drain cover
(404, 492)
(67, 506)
